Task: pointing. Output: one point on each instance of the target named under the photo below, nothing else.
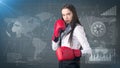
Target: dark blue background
(16, 8)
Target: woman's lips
(66, 20)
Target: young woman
(73, 36)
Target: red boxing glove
(77, 53)
(59, 26)
(64, 53)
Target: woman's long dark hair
(74, 21)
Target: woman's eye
(68, 14)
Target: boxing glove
(59, 27)
(64, 53)
(77, 52)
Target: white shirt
(79, 40)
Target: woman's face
(67, 15)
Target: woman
(71, 35)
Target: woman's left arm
(81, 36)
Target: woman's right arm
(59, 26)
(55, 45)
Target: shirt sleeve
(81, 36)
(55, 45)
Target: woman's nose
(66, 17)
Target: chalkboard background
(26, 27)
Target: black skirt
(75, 63)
